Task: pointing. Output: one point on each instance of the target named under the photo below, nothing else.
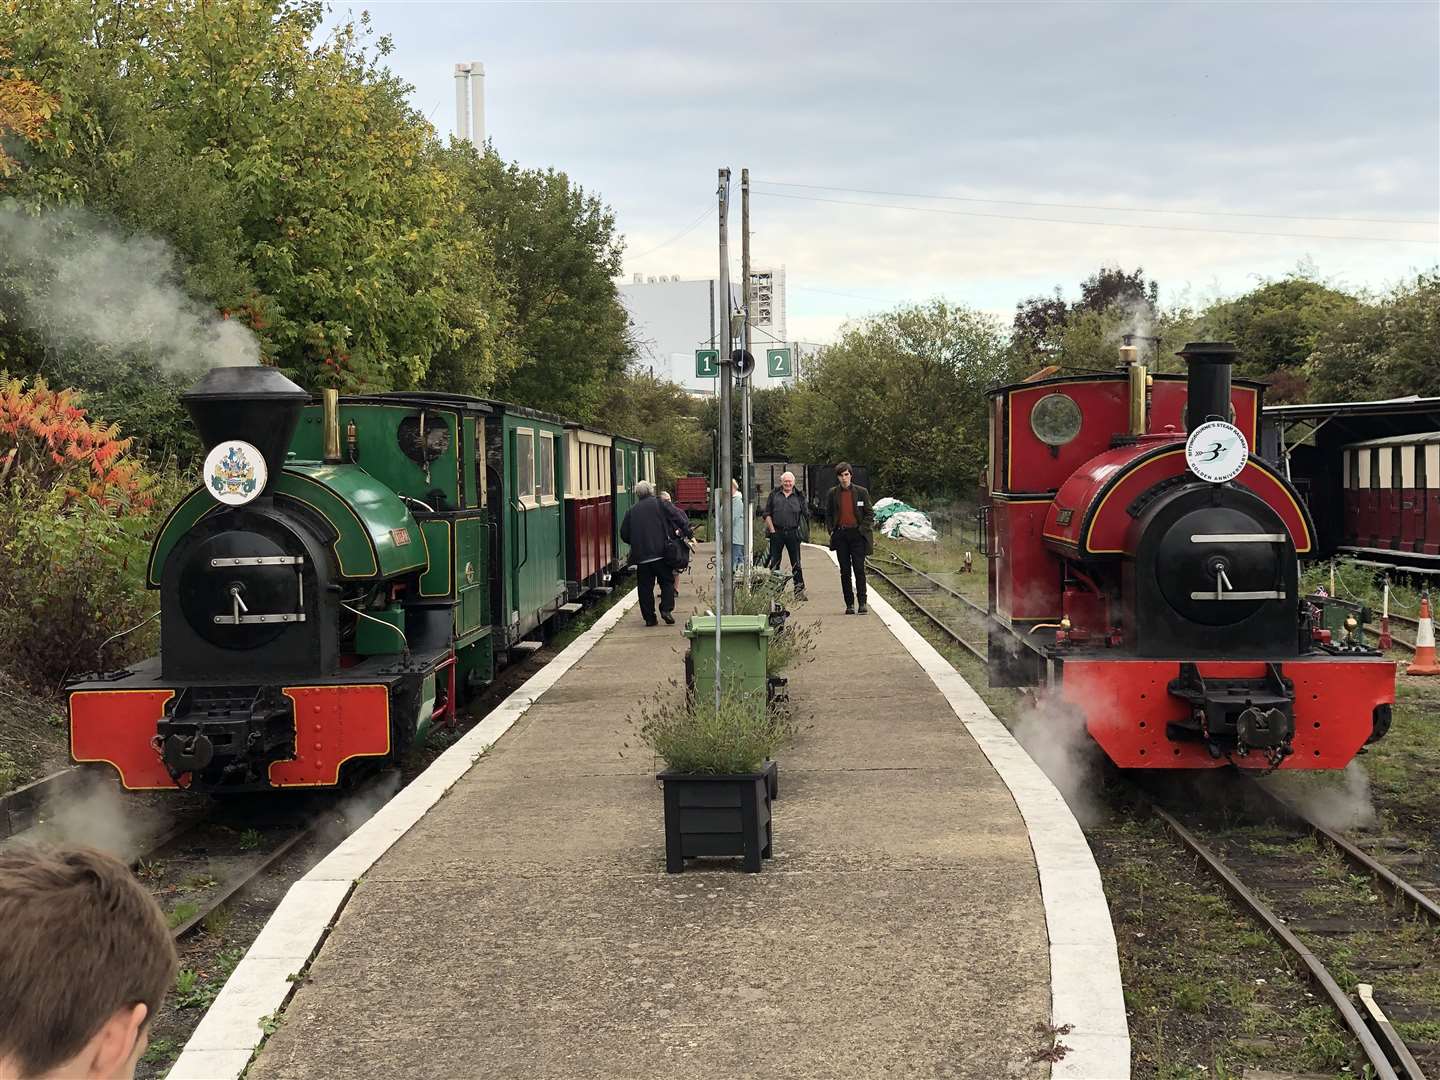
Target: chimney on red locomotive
(255, 404)
(1207, 389)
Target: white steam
(1137, 319)
(79, 283)
(1053, 733)
(1339, 801)
(94, 814)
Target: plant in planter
(716, 784)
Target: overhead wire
(709, 209)
(1095, 224)
(1093, 206)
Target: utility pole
(725, 577)
(747, 453)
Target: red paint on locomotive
(1127, 707)
(117, 727)
(1096, 532)
(333, 724)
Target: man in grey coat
(785, 513)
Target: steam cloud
(1337, 802)
(82, 284)
(1053, 733)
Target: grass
(161, 1052)
(181, 914)
(250, 839)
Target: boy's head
(85, 960)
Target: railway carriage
(526, 449)
(590, 524)
(1370, 474)
(1144, 571)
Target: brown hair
(843, 467)
(81, 940)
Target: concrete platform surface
(525, 927)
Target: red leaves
(55, 444)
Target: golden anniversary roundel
(234, 472)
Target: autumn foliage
(48, 440)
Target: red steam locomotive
(1145, 570)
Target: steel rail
(306, 830)
(230, 888)
(1319, 973)
(936, 582)
(1359, 858)
(940, 623)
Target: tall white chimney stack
(470, 102)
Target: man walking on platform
(785, 511)
(650, 532)
(849, 517)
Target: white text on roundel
(234, 472)
(1216, 451)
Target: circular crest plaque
(1216, 451)
(234, 472)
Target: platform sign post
(707, 363)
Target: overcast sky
(1314, 111)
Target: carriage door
(1412, 514)
(1390, 482)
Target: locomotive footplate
(1236, 716)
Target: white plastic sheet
(900, 521)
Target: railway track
(1349, 919)
(1360, 930)
(943, 606)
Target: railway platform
(931, 909)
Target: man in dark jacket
(850, 517)
(785, 512)
(649, 531)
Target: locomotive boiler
(1145, 571)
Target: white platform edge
(1085, 988)
(228, 1035)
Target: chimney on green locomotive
(1207, 388)
(257, 405)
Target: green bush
(693, 736)
(71, 575)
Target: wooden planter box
(725, 815)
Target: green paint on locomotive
(375, 535)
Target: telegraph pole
(747, 458)
(725, 577)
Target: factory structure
(672, 318)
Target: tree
(301, 191)
(1386, 349)
(1047, 330)
(556, 253)
(904, 394)
(1112, 287)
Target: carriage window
(525, 466)
(1055, 419)
(620, 467)
(1420, 474)
(1396, 472)
(547, 467)
(1375, 471)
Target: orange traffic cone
(1424, 662)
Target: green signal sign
(707, 363)
(777, 363)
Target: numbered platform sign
(707, 363)
(777, 363)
